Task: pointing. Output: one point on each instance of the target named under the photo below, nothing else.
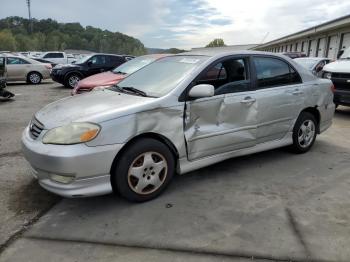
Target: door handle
(248, 100)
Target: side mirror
(89, 63)
(202, 90)
(73, 62)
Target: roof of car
(312, 58)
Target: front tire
(143, 171)
(72, 80)
(34, 78)
(304, 133)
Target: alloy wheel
(306, 133)
(147, 173)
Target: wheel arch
(73, 72)
(316, 113)
(155, 136)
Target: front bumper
(57, 76)
(342, 97)
(89, 167)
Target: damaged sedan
(178, 114)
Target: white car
(58, 57)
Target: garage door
(321, 47)
(332, 47)
(346, 41)
(304, 47)
(312, 48)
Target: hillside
(48, 35)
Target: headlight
(327, 75)
(73, 133)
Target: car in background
(41, 60)
(169, 117)
(339, 72)
(109, 78)
(294, 54)
(70, 74)
(58, 57)
(314, 64)
(26, 69)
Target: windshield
(133, 65)
(160, 77)
(83, 59)
(308, 63)
(346, 54)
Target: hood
(102, 79)
(339, 66)
(94, 107)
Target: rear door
(226, 121)
(279, 97)
(17, 68)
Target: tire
(304, 133)
(72, 80)
(143, 171)
(34, 78)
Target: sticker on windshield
(189, 60)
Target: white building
(324, 40)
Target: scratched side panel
(167, 122)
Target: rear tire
(143, 171)
(72, 80)
(304, 133)
(34, 78)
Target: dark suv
(70, 74)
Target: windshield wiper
(133, 90)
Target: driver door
(226, 121)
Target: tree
(218, 42)
(7, 41)
(49, 35)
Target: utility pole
(30, 17)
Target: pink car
(107, 79)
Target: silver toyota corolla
(178, 114)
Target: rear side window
(273, 72)
(16, 61)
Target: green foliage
(49, 35)
(218, 42)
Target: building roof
(333, 24)
(226, 48)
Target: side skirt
(186, 166)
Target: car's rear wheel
(34, 78)
(72, 80)
(304, 133)
(143, 171)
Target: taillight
(332, 88)
(48, 66)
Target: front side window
(272, 72)
(228, 76)
(98, 60)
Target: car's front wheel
(304, 133)
(34, 78)
(143, 171)
(72, 80)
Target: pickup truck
(58, 57)
(339, 73)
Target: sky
(187, 23)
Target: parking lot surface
(271, 206)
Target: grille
(341, 75)
(35, 128)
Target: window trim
(256, 87)
(248, 62)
